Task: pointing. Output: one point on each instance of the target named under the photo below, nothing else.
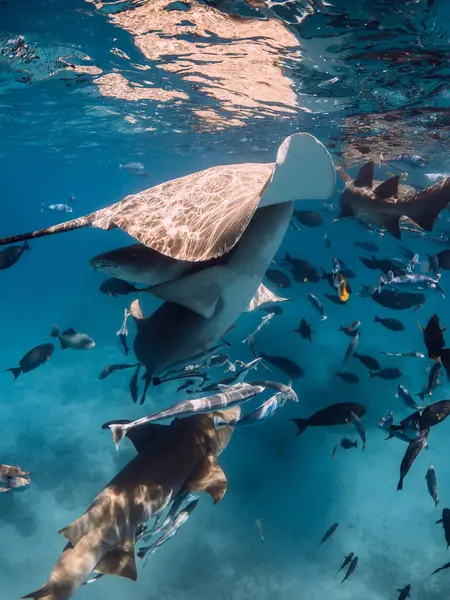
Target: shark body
(170, 459)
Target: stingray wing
(196, 217)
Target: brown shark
(385, 203)
(180, 456)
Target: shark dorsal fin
(365, 175)
(199, 292)
(76, 530)
(119, 561)
(388, 188)
(209, 478)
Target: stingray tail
(78, 223)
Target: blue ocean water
(180, 90)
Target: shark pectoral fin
(76, 530)
(424, 207)
(388, 188)
(392, 224)
(209, 478)
(199, 292)
(143, 435)
(119, 561)
(264, 296)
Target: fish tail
(54, 331)
(302, 424)
(118, 431)
(43, 207)
(400, 484)
(376, 319)
(16, 371)
(324, 317)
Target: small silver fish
(265, 411)
(358, 425)
(177, 503)
(408, 400)
(336, 266)
(240, 374)
(413, 282)
(351, 348)
(229, 396)
(123, 332)
(317, 304)
(412, 354)
(264, 321)
(413, 160)
(433, 377)
(58, 207)
(170, 531)
(385, 422)
(134, 168)
(432, 484)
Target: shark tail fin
(424, 207)
(118, 431)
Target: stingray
(203, 215)
(201, 306)
(385, 203)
